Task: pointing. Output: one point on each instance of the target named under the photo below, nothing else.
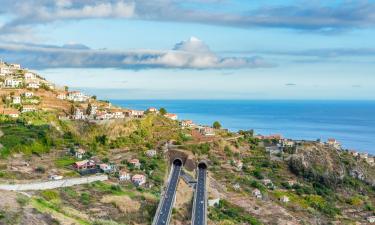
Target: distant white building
(29, 76)
(136, 113)
(284, 199)
(171, 116)
(33, 85)
(28, 109)
(151, 153)
(139, 179)
(187, 123)
(28, 94)
(371, 219)
(334, 143)
(207, 131)
(78, 115)
(77, 96)
(124, 176)
(13, 83)
(16, 100)
(4, 71)
(61, 96)
(117, 114)
(11, 113)
(15, 66)
(256, 193)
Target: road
(166, 206)
(53, 183)
(200, 204)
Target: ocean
(350, 122)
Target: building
(152, 110)
(4, 71)
(333, 143)
(238, 164)
(78, 115)
(33, 85)
(29, 76)
(371, 219)
(80, 153)
(363, 155)
(106, 168)
(213, 202)
(124, 176)
(284, 199)
(11, 113)
(171, 116)
(135, 163)
(256, 193)
(139, 179)
(151, 153)
(28, 94)
(16, 100)
(26, 109)
(77, 96)
(85, 164)
(135, 113)
(187, 123)
(207, 131)
(12, 83)
(15, 66)
(61, 96)
(117, 114)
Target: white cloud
(190, 54)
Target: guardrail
(52, 184)
(162, 200)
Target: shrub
(85, 198)
(50, 195)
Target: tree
(163, 111)
(94, 97)
(216, 125)
(66, 88)
(89, 109)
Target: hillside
(253, 179)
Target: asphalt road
(168, 198)
(200, 198)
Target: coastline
(348, 121)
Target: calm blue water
(351, 122)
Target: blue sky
(203, 49)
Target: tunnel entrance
(202, 165)
(177, 162)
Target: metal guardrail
(162, 200)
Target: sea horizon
(349, 121)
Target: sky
(196, 49)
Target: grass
(64, 161)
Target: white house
(135, 163)
(136, 113)
(256, 193)
(334, 143)
(29, 76)
(16, 100)
(28, 94)
(117, 114)
(186, 123)
(80, 153)
(34, 85)
(171, 116)
(78, 115)
(5, 71)
(11, 113)
(371, 219)
(28, 109)
(139, 179)
(213, 202)
(13, 83)
(284, 199)
(151, 153)
(207, 131)
(15, 66)
(152, 110)
(105, 167)
(124, 176)
(77, 96)
(61, 96)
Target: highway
(200, 204)
(165, 206)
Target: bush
(50, 195)
(85, 198)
